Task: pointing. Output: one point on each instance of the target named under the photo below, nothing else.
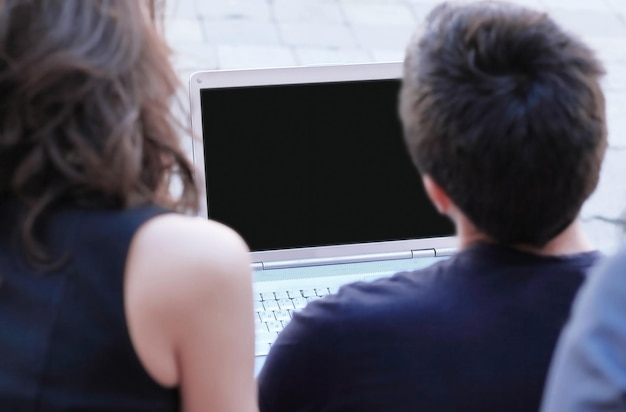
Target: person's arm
(588, 371)
(188, 297)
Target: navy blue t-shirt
(472, 333)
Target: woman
(108, 300)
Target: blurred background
(235, 34)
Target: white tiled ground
(225, 34)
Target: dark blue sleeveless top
(64, 341)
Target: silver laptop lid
(309, 166)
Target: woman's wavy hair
(86, 89)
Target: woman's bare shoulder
(183, 241)
(188, 259)
(181, 271)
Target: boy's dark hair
(503, 109)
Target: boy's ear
(437, 195)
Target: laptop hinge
(445, 251)
(373, 257)
(422, 253)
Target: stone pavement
(227, 34)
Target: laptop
(309, 166)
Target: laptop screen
(320, 164)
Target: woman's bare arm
(188, 298)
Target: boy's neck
(569, 242)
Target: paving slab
(192, 57)
(181, 9)
(376, 15)
(383, 37)
(313, 34)
(577, 5)
(308, 11)
(394, 55)
(534, 4)
(244, 57)
(605, 235)
(240, 32)
(618, 5)
(591, 23)
(229, 10)
(609, 199)
(431, 3)
(611, 50)
(325, 55)
(180, 32)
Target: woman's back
(136, 306)
(64, 335)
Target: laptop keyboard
(275, 309)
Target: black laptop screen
(313, 165)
